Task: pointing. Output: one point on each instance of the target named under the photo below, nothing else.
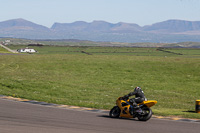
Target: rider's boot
(136, 108)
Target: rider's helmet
(137, 88)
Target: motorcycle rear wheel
(115, 112)
(146, 115)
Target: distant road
(19, 117)
(12, 51)
(8, 54)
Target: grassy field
(184, 52)
(96, 76)
(75, 42)
(2, 50)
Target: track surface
(19, 117)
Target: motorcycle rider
(139, 97)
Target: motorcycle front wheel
(145, 115)
(115, 112)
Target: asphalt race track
(21, 117)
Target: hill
(174, 27)
(96, 26)
(169, 31)
(20, 28)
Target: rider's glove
(125, 97)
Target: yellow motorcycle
(124, 108)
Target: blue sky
(142, 12)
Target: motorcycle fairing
(149, 103)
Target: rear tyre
(115, 112)
(146, 115)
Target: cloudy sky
(142, 12)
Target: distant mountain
(173, 26)
(78, 25)
(126, 27)
(96, 26)
(167, 31)
(23, 29)
(19, 23)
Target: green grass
(186, 51)
(113, 50)
(2, 50)
(97, 80)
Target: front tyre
(115, 112)
(145, 115)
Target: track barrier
(197, 106)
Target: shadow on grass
(189, 111)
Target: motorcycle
(124, 108)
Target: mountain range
(162, 32)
